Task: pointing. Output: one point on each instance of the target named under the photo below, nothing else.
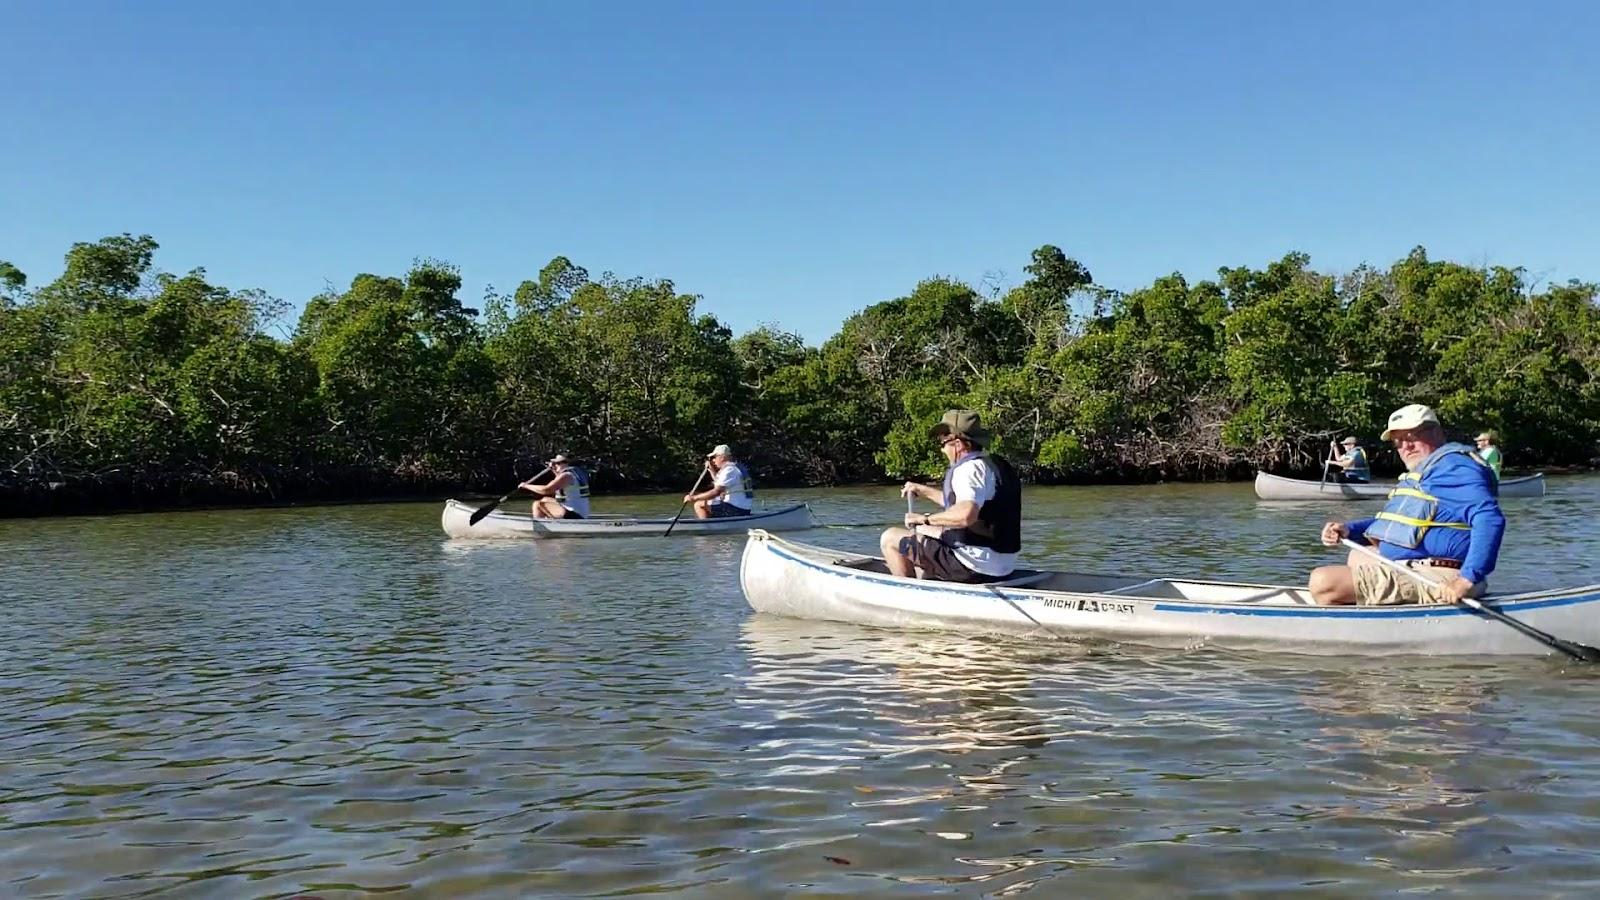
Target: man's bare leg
(898, 563)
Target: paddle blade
(484, 510)
(1580, 652)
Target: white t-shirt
(975, 480)
(728, 478)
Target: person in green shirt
(1489, 450)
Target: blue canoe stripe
(1346, 612)
(1368, 612)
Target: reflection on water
(341, 702)
(1099, 759)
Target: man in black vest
(975, 538)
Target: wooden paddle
(1579, 652)
(487, 508)
(682, 506)
(1327, 466)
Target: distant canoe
(1275, 487)
(499, 524)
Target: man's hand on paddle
(1333, 533)
(1455, 589)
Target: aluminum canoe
(1276, 487)
(503, 524)
(810, 582)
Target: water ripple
(340, 703)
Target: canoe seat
(1167, 589)
(865, 564)
(1019, 577)
(1282, 596)
(1139, 587)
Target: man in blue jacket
(1442, 520)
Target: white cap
(721, 450)
(1414, 416)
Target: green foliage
(1275, 357)
(129, 382)
(107, 269)
(1042, 307)
(12, 283)
(818, 419)
(908, 451)
(401, 370)
(621, 372)
(247, 405)
(1530, 372)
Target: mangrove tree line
(122, 385)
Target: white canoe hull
(1276, 487)
(502, 524)
(803, 581)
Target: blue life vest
(1411, 511)
(1358, 470)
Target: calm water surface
(341, 702)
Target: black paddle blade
(484, 510)
(487, 508)
(1579, 652)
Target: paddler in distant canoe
(565, 495)
(1352, 462)
(732, 491)
(1489, 448)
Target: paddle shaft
(685, 504)
(487, 508)
(1024, 613)
(1579, 652)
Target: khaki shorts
(1380, 585)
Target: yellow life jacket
(1411, 511)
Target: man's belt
(1437, 562)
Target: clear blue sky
(795, 162)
